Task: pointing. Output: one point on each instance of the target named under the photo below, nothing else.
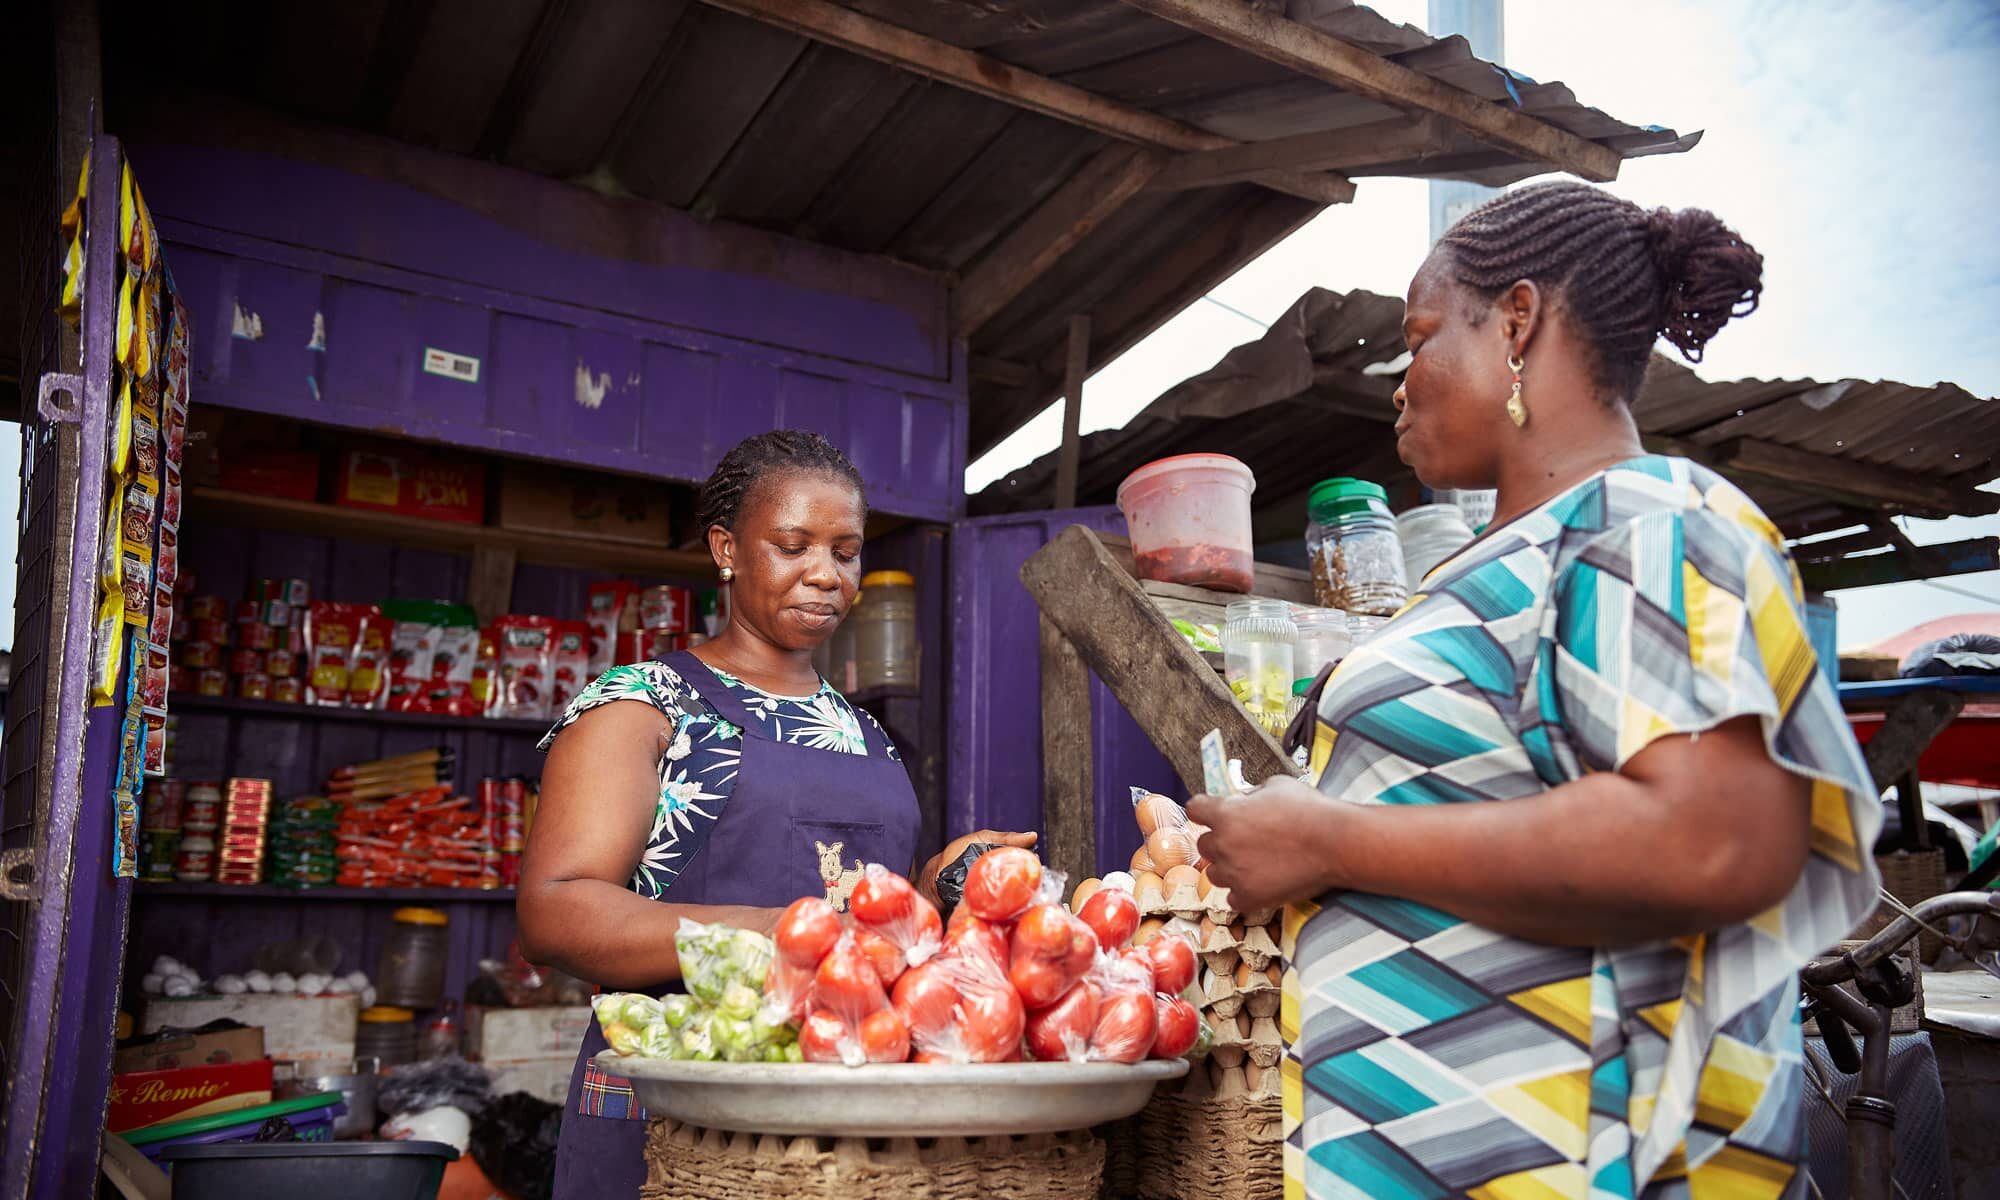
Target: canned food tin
(514, 809)
(297, 593)
(276, 613)
(254, 686)
(666, 608)
(211, 683)
(246, 662)
(208, 608)
(281, 664)
(194, 862)
(165, 800)
(255, 635)
(288, 691)
(158, 851)
(209, 629)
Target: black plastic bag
(514, 1143)
(276, 1129)
(1959, 654)
(435, 1083)
(951, 878)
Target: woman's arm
(926, 878)
(600, 789)
(1695, 833)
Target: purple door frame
(75, 933)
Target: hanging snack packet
(486, 674)
(451, 666)
(413, 641)
(332, 633)
(612, 608)
(526, 646)
(368, 678)
(570, 669)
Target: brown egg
(1142, 861)
(1170, 848)
(1148, 929)
(1179, 877)
(1155, 812)
(1149, 890)
(1203, 886)
(1084, 891)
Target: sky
(1853, 143)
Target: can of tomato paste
(513, 815)
(667, 609)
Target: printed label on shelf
(462, 367)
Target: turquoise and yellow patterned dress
(1428, 1057)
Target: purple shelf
(266, 891)
(191, 702)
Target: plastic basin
(311, 1117)
(309, 1171)
(1189, 517)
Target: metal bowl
(892, 1100)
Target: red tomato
(925, 996)
(882, 896)
(991, 1021)
(806, 931)
(1082, 949)
(787, 985)
(884, 1037)
(1172, 957)
(884, 955)
(1061, 1032)
(1042, 932)
(1113, 915)
(821, 1037)
(972, 937)
(1126, 1024)
(1040, 982)
(1002, 882)
(1179, 1026)
(926, 1056)
(1135, 969)
(927, 930)
(847, 983)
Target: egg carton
(1187, 902)
(1226, 1081)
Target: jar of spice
(1323, 639)
(411, 974)
(1258, 644)
(1356, 558)
(387, 1033)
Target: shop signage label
(462, 367)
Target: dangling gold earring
(729, 573)
(1517, 412)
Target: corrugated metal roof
(690, 106)
(1311, 399)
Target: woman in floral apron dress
(734, 781)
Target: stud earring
(729, 573)
(1517, 411)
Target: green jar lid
(1304, 687)
(1345, 496)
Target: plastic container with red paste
(1189, 516)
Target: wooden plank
(1085, 201)
(1074, 371)
(1404, 139)
(1908, 729)
(1928, 562)
(1175, 697)
(1276, 38)
(1866, 482)
(1069, 809)
(851, 31)
(490, 591)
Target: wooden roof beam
(1401, 140)
(898, 47)
(1086, 200)
(1845, 478)
(1301, 48)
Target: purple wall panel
(578, 362)
(995, 771)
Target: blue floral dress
(698, 766)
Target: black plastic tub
(309, 1170)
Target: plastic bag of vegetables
(723, 966)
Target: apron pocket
(841, 848)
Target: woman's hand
(1268, 845)
(927, 878)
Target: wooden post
(1074, 369)
(490, 591)
(1175, 696)
(1069, 808)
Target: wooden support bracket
(1173, 695)
(1069, 809)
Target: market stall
(452, 317)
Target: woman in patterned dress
(731, 780)
(1588, 802)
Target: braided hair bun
(756, 458)
(1627, 277)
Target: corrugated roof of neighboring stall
(1311, 399)
(1025, 147)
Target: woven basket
(1183, 1147)
(1909, 876)
(685, 1162)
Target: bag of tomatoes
(1127, 1015)
(1049, 952)
(960, 1007)
(805, 934)
(849, 1018)
(885, 904)
(1007, 881)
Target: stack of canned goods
(201, 817)
(246, 818)
(505, 805)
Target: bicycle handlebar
(1898, 931)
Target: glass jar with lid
(1430, 533)
(386, 1033)
(885, 631)
(1355, 556)
(1323, 639)
(1258, 645)
(411, 971)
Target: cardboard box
(315, 1030)
(413, 483)
(505, 1035)
(536, 499)
(192, 1050)
(545, 1079)
(284, 474)
(142, 1098)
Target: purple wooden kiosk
(655, 228)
